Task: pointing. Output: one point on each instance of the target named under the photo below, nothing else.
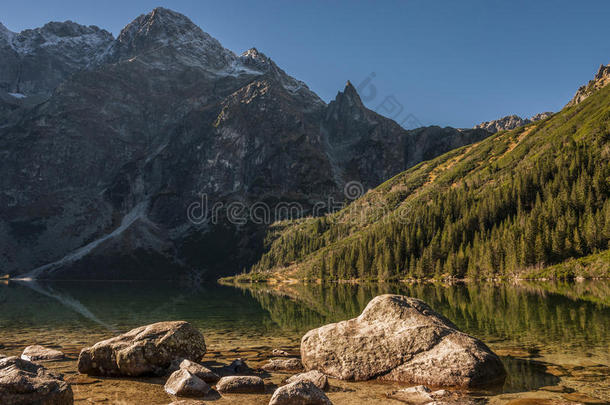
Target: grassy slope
(482, 166)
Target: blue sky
(446, 62)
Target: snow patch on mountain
(75, 40)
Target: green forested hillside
(510, 205)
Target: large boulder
(184, 384)
(399, 338)
(25, 383)
(145, 350)
(299, 393)
(41, 353)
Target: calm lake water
(548, 334)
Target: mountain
(511, 122)
(370, 149)
(145, 156)
(506, 206)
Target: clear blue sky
(447, 62)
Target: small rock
(41, 353)
(200, 371)
(241, 385)
(184, 384)
(314, 376)
(188, 402)
(145, 350)
(283, 365)
(24, 382)
(280, 353)
(299, 393)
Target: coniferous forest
(511, 205)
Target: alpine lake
(553, 337)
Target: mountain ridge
(511, 122)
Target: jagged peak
(350, 93)
(602, 71)
(160, 22)
(510, 122)
(253, 53)
(254, 57)
(601, 79)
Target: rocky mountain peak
(601, 79)
(603, 71)
(164, 38)
(255, 59)
(67, 34)
(253, 53)
(510, 122)
(36, 61)
(349, 97)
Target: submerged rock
(283, 365)
(23, 383)
(196, 369)
(399, 338)
(41, 353)
(237, 367)
(417, 395)
(145, 350)
(299, 393)
(184, 384)
(314, 376)
(280, 353)
(241, 385)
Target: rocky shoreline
(395, 336)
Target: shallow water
(554, 338)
